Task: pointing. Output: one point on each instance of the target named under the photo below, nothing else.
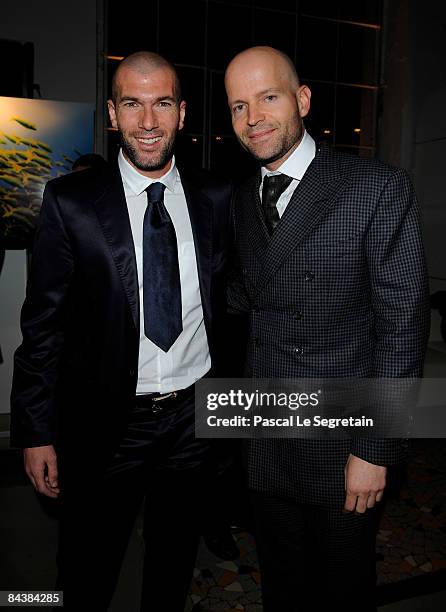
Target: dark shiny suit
(76, 371)
(338, 290)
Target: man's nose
(255, 115)
(148, 119)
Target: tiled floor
(232, 584)
(411, 541)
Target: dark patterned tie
(273, 187)
(163, 321)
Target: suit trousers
(314, 558)
(161, 462)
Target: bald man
(122, 314)
(331, 271)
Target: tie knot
(155, 192)
(276, 184)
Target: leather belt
(162, 403)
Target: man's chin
(262, 155)
(150, 164)
(146, 161)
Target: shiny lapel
(112, 212)
(311, 200)
(200, 214)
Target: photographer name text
(293, 420)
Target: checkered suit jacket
(339, 290)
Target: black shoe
(222, 544)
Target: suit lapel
(112, 212)
(200, 214)
(257, 232)
(310, 202)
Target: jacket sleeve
(400, 302)
(37, 359)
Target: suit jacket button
(131, 373)
(298, 350)
(257, 342)
(309, 276)
(297, 314)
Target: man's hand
(364, 484)
(41, 467)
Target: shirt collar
(135, 182)
(299, 160)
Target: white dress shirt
(188, 359)
(295, 166)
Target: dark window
(358, 55)
(128, 33)
(220, 115)
(193, 92)
(320, 121)
(182, 31)
(320, 8)
(278, 5)
(332, 55)
(355, 113)
(316, 49)
(189, 150)
(276, 30)
(362, 11)
(368, 11)
(229, 31)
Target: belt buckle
(157, 407)
(170, 395)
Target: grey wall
(12, 294)
(429, 156)
(64, 37)
(413, 133)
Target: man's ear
(112, 113)
(303, 97)
(182, 114)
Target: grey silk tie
(273, 187)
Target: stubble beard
(289, 139)
(141, 161)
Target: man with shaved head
(124, 308)
(331, 271)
